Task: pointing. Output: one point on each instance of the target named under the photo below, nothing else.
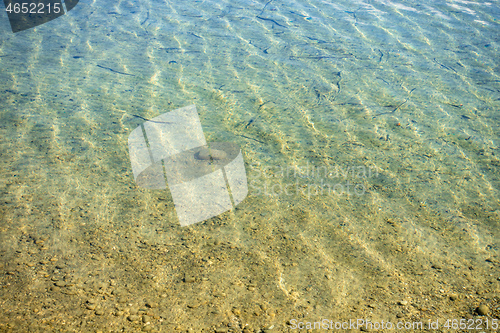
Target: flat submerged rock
(205, 154)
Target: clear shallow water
(397, 98)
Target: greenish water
(369, 131)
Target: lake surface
(369, 132)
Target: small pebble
(403, 302)
(133, 318)
(99, 312)
(146, 319)
(193, 305)
(482, 310)
(453, 297)
(189, 279)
